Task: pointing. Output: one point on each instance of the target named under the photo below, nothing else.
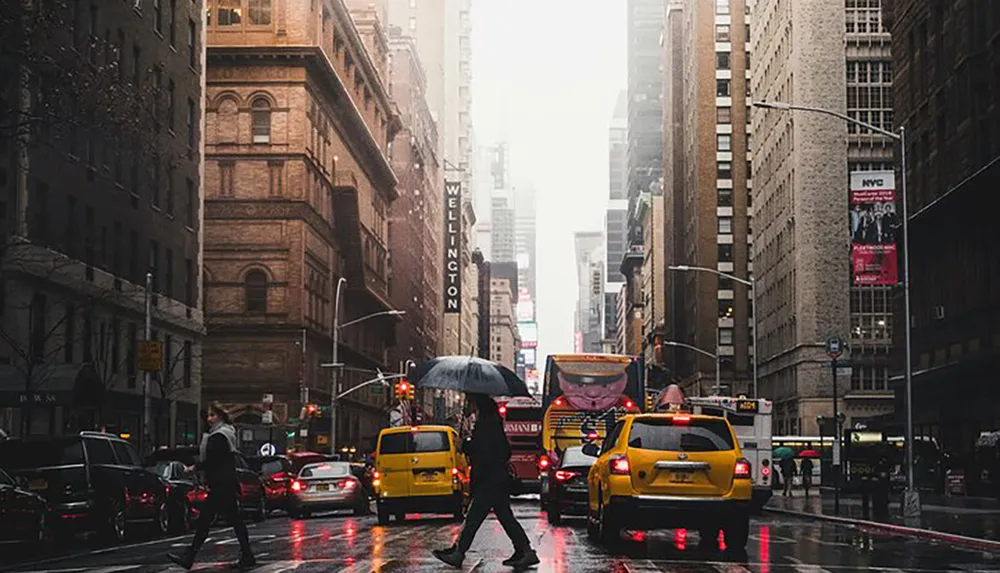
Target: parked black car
(277, 473)
(23, 515)
(253, 502)
(93, 482)
(567, 485)
(185, 495)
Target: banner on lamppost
(873, 228)
(452, 247)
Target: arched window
(260, 117)
(255, 291)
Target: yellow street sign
(150, 355)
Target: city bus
(751, 420)
(522, 423)
(583, 396)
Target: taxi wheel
(736, 533)
(383, 516)
(592, 531)
(610, 529)
(709, 537)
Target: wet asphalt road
(342, 543)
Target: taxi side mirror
(591, 450)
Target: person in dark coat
(489, 454)
(218, 462)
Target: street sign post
(267, 417)
(268, 399)
(835, 349)
(150, 355)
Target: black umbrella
(469, 374)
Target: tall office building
(707, 192)
(801, 235)
(616, 217)
(525, 222)
(442, 30)
(946, 59)
(644, 167)
(589, 248)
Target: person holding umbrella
(488, 449)
(489, 454)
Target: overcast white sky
(545, 77)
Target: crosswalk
(480, 565)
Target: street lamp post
(718, 380)
(911, 500)
(335, 364)
(752, 283)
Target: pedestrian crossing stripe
(392, 565)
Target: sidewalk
(970, 522)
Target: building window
(260, 117)
(721, 6)
(230, 13)
(69, 332)
(722, 88)
(724, 142)
(725, 337)
(723, 115)
(725, 225)
(158, 16)
(255, 291)
(725, 197)
(192, 206)
(173, 23)
(188, 363)
(133, 351)
(725, 253)
(725, 309)
(724, 170)
(192, 119)
(722, 60)
(260, 12)
(192, 44)
(170, 105)
(413, 24)
(722, 33)
(189, 278)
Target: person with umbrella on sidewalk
(488, 450)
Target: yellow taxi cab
(674, 470)
(420, 469)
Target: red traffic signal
(311, 409)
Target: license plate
(428, 476)
(322, 487)
(682, 477)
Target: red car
(277, 473)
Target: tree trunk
(22, 138)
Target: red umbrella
(809, 454)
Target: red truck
(522, 422)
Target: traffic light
(410, 391)
(312, 409)
(403, 390)
(650, 401)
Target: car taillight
(454, 471)
(629, 404)
(592, 436)
(564, 476)
(619, 466)
(197, 495)
(280, 476)
(543, 462)
(742, 469)
(296, 485)
(347, 483)
(376, 475)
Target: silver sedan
(326, 486)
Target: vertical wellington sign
(873, 228)
(452, 247)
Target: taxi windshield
(697, 435)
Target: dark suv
(93, 482)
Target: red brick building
(298, 191)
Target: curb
(954, 539)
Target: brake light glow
(681, 420)
(592, 436)
(563, 475)
(347, 484)
(503, 410)
(414, 428)
(559, 402)
(280, 476)
(620, 466)
(629, 404)
(454, 471)
(296, 485)
(543, 462)
(742, 469)
(376, 475)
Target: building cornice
(352, 124)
